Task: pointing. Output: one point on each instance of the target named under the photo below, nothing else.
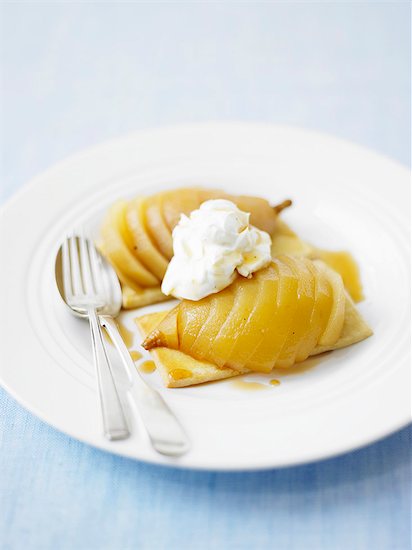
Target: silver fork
(83, 295)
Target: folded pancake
(286, 312)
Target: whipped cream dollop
(210, 246)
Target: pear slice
(156, 225)
(283, 313)
(262, 214)
(261, 348)
(114, 245)
(221, 305)
(320, 313)
(233, 325)
(303, 329)
(192, 318)
(182, 201)
(142, 244)
(337, 315)
(251, 319)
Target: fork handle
(114, 421)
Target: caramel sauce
(135, 355)
(125, 333)
(180, 374)
(241, 384)
(274, 382)
(147, 367)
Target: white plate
(344, 197)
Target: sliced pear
(354, 329)
(269, 326)
(264, 321)
(167, 335)
(114, 245)
(337, 315)
(192, 317)
(320, 313)
(283, 312)
(170, 362)
(141, 241)
(302, 330)
(235, 322)
(181, 201)
(258, 297)
(262, 214)
(221, 305)
(245, 337)
(156, 226)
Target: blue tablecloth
(60, 494)
(78, 73)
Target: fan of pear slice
(286, 312)
(136, 235)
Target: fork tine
(105, 281)
(97, 271)
(67, 282)
(86, 270)
(75, 270)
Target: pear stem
(279, 207)
(153, 340)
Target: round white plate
(344, 197)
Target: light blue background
(74, 74)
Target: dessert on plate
(253, 295)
